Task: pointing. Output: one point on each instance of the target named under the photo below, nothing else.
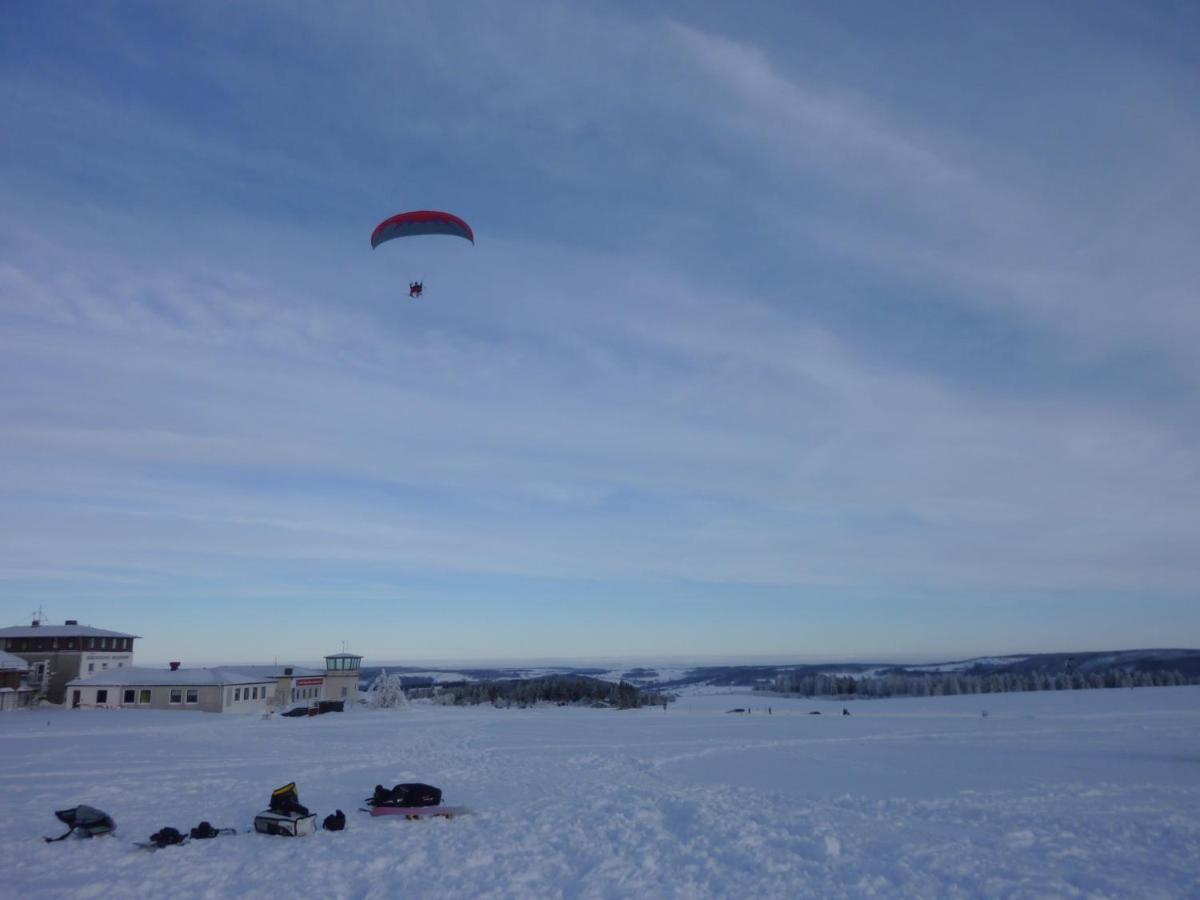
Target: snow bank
(1070, 793)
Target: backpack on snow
(167, 837)
(87, 820)
(287, 800)
(205, 830)
(335, 822)
(414, 794)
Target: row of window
(305, 693)
(92, 666)
(136, 696)
(250, 693)
(16, 645)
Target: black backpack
(87, 820)
(167, 837)
(287, 800)
(335, 822)
(413, 794)
(205, 830)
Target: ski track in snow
(1078, 794)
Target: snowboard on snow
(419, 812)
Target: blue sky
(791, 330)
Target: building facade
(58, 654)
(15, 692)
(216, 690)
(302, 685)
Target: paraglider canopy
(426, 221)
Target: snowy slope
(1052, 794)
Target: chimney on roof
(288, 670)
(71, 622)
(36, 623)
(175, 667)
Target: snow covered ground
(1089, 793)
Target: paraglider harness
(406, 795)
(87, 820)
(415, 288)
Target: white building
(204, 690)
(301, 685)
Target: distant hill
(1103, 663)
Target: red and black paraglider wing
(425, 221)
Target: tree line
(931, 684)
(563, 690)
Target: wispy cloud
(710, 335)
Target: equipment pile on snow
(406, 795)
(286, 816)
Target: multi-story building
(57, 654)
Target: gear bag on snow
(335, 822)
(205, 830)
(87, 820)
(406, 795)
(167, 837)
(286, 816)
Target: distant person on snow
(415, 288)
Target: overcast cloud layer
(787, 332)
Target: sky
(791, 330)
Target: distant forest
(564, 690)
(930, 684)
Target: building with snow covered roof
(302, 684)
(15, 691)
(203, 690)
(57, 654)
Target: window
(91, 642)
(101, 697)
(176, 695)
(145, 698)
(103, 665)
(91, 667)
(120, 665)
(129, 695)
(237, 695)
(344, 691)
(193, 695)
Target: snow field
(1090, 793)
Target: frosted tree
(387, 692)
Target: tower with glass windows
(342, 672)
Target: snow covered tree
(387, 692)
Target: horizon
(786, 329)
(693, 662)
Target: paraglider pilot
(415, 288)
